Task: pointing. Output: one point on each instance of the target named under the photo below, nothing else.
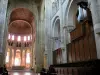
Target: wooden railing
(80, 68)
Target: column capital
(69, 27)
(97, 28)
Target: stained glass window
(28, 38)
(12, 37)
(9, 36)
(19, 38)
(24, 38)
(28, 58)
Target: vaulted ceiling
(21, 14)
(21, 20)
(20, 27)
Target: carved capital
(69, 28)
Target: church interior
(36, 34)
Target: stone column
(10, 59)
(1, 58)
(21, 51)
(66, 40)
(95, 8)
(14, 55)
(33, 55)
(3, 9)
(25, 57)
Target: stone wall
(49, 25)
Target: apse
(19, 41)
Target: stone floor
(19, 72)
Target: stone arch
(71, 11)
(21, 14)
(69, 18)
(57, 41)
(24, 15)
(56, 27)
(57, 17)
(22, 23)
(29, 5)
(20, 27)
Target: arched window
(19, 38)
(29, 38)
(17, 61)
(9, 36)
(25, 38)
(13, 37)
(28, 58)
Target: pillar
(95, 8)
(67, 38)
(10, 59)
(3, 9)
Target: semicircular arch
(70, 12)
(56, 27)
(21, 14)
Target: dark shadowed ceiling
(36, 1)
